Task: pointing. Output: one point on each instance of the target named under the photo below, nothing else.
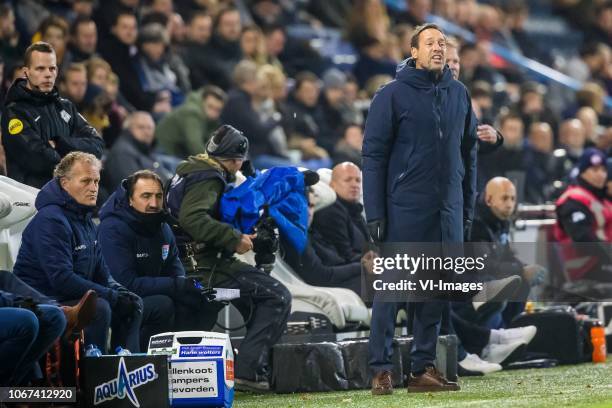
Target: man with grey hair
(61, 258)
(240, 113)
(134, 151)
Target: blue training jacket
(60, 255)
(141, 255)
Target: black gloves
(377, 230)
(128, 304)
(247, 169)
(185, 287)
(191, 293)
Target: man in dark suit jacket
(342, 224)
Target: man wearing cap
(209, 244)
(584, 221)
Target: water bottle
(92, 351)
(120, 351)
(598, 339)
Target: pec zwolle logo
(125, 384)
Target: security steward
(209, 245)
(38, 126)
(584, 221)
(140, 250)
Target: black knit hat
(228, 142)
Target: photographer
(210, 244)
(141, 252)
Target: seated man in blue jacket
(61, 258)
(140, 249)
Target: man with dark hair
(210, 244)
(193, 50)
(83, 39)
(60, 255)
(140, 250)
(121, 53)
(426, 195)
(222, 52)
(39, 127)
(186, 130)
(73, 84)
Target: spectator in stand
(158, 71)
(99, 75)
(572, 139)
(299, 117)
(601, 30)
(133, 151)
(590, 121)
(223, 51)
(199, 31)
(54, 30)
(253, 45)
(540, 163)
(74, 84)
(592, 94)
(106, 14)
(533, 108)
(240, 112)
(11, 47)
(81, 8)
(415, 14)
(404, 34)
(509, 157)
(332, 114)
(83, 39)
(275, 39)
(120, 51)
(473, 68)
(372, 61)
(348, 149)
(330, 14)
(482, 101)
(368, 21)
(186, 130)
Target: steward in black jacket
(38, 129)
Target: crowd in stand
(146, 85)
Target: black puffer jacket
(31, 119)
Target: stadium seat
(16, 210)
(341, 306)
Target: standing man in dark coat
(38, 126)
(419, 168)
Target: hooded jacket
(139, 249)
(186, 130)
(60, 255)
(199, 212)
(30, 120)
(419, 157)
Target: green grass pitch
(585, 385)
